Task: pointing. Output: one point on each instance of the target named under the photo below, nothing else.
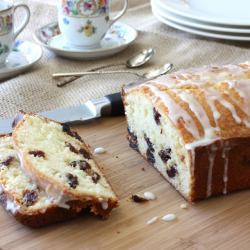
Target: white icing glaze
(210, 134)
(105, 205)
(208, 77)
(231, 84)
(63, 205)
(149, 196)
(231, 108)
(225, 156)
(200, 76)
(11, 206)
(199, 143)
(1, 189)
(176, 111)
(242, 88)
(99, 151)
(152, 221)
(169, 217)
(198, 110)
(210, 98)
(211, 158)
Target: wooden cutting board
(218, 223)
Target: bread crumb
(138, 199)
(184, 206)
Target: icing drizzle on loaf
(175, 111)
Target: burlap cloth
(36, 91)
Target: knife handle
(117, 107)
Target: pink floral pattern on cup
(85, 7)
(6, 24)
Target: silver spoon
(136, 61)
(141, 58)
(151, 74)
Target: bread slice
(59, 161)
(22, 198)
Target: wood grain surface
(218, 223)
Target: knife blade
(110, 105)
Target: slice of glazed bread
(22, 198)
(194, 127)
(60, 162)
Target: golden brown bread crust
(55, 214)
(39, 218)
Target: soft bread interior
(25, 194)
(60, 161)
(154, 136)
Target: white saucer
(24, 55)
(117, 39)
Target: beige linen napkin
(36, 91)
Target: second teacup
(7, 32)
(83, 23)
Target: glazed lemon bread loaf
(194, 127)
(22, 198)
(58, 160)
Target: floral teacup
(83, 23)
(7, 33)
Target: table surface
(217, 223)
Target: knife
(110, 105)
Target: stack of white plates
(223, 19)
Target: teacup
(7, 32)
(83, 23)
